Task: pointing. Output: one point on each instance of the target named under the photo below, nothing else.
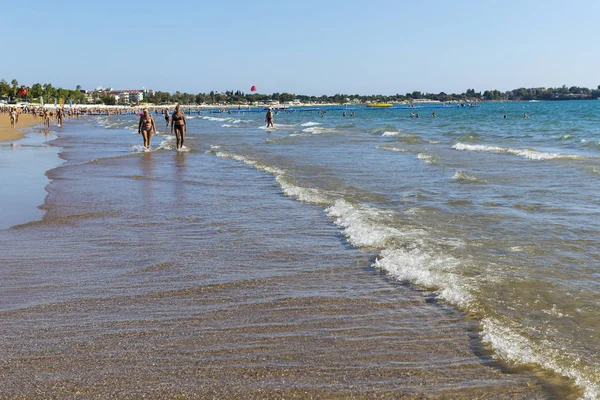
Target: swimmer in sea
(179, 126)
(167, 118)
(344, 114)
(504, 116)
(433, 114)
(525, 116)
(269, 118)
(146, 127)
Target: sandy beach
(8, 134)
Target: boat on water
(381, 105)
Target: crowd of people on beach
(146, 125)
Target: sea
(332, 257)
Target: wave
(388, 133)
(304, 194)
(213, 118)
(525, 153)
(413, 255)
(461, 176)
(311, 123)
(410, 139)
(315, 130)
(391, 148)
(428, 269)
(428, 158)
(518, 349)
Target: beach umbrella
(253, 88)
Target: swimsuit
(147, 122)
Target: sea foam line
(525, 153)
(518, 349)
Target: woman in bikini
(146, 127)
(179, 125)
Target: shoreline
(23, 171)
(8, 134)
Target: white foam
(304, 194)
(516, 348)
(362, 226)
(462, 176)
(390, 133)
(525, 153)
(428, 158)
(391, 148)
(311, 123)
(214, 119)
(315, 130)
(430, 270)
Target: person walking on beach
(179, 125)
(59, 117)
(146, 127)
(269, 118)
(13, 117)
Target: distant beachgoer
(525, 116)
(146, 127)
(167, 117)
(344, 113)
(13, 118)
(433, 114)
(352, 114)
(417, 116)
(269, 118)
(412, 115)
(179, 125)
(59, 117)
(504, 116)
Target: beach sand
(8, 134)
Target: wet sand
(8, 134)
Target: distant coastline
(47, 94)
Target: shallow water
(332, 257)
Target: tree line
(49, 94)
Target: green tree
(36, 91)
(4, 88)
(15, 87)
(108, 100)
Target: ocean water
(335, 257)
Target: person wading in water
(179, 125)
(146, 127)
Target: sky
(304, 47)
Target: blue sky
(303, 47)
